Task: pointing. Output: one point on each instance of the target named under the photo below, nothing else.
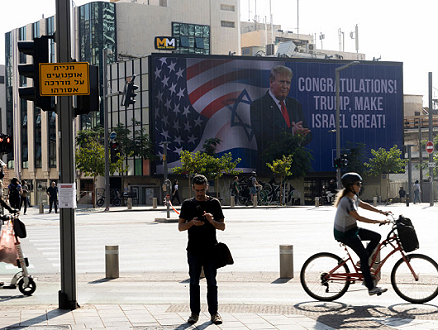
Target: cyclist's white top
(345, 224)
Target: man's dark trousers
(195, 263)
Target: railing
(416, 121)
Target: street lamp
(338, 118)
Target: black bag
(19, 228)
(406, 234)
(222, 255)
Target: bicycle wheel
(100, 202)
(416, 291)
(317, 281)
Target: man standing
(417, 191)
(201, 216)
(275, 113)
(52, 191)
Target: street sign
(63, 79)
(113, 135)
(432, 164)
(429, 147)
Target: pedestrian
(417, 191)
(201, 216)
(402, 194)
(175, 193)
(235, 186)
(15, 191)
(253, 185)
(52, 191)
(346, 230)
(24, 196)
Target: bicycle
(327, 277)
(115, 199)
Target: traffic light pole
(68, 293)
(431, 200)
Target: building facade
(127, 29)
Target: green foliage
(384, 161)
(210, 146)
(287, 145)
(282, 166)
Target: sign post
(429, 147)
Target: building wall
(138, 24)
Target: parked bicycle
(115, 199)
(326, 277)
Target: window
(227, 24)
(227, 7)
(192, 38)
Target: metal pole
(338, 129)
(338, 118)
(408, 200)
(420, 154)
(106, 128)
(430, 138)
(68, 294)
(166, 180)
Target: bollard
(374, 201)
(286, 261)
(129, 203)
(254, 201)
(232, 201)
(41, 208)
(316, 201)
(154, 202)
(111, 261)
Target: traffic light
(87, 103)
(344, 161)
(337, 163)
(115, 152)
(39, 50)
(130, 94)
(6, 144)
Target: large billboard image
(238, 100)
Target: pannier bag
(406, 234)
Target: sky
(394, 30)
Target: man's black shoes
(193, 318)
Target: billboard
(194, 98)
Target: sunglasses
(359, 184)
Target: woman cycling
(346, 230)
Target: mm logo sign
(165, 43)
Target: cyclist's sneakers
(193, 318)
(377, 290)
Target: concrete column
(254, 201)
(232, 201)
(129, 203)
(111, 261)
(374, 201)
(154, 202)
(286, 261)
(316, 201)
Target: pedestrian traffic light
(87, 103)
(8, 147)
(130, 94)
(337, 163)
(344, 161)
(115, 152)
(39, 50)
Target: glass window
(191, 38)
(227, 24)
(227, 7)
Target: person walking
(52, 191)
(15, 191)
(347, 231)
(24, 196)
(201, 216)
(417, 191)
(175, 193)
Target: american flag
(195, 99)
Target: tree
(282, 166)
(190, 164)
(90, 160)
(289, 144)
(385, 161)
(210, 146)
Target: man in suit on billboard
(275, 113)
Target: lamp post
(338, 119)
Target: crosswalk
(140, 249)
